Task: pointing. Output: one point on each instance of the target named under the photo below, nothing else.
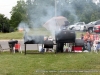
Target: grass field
(12, 35)
(50, 64)
(19, 35)
(47, 63)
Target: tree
(18, 14)
(4, 23)
(36, 12)
(86, 10)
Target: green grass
(12, 35)
(19, 35)
(50, 64)
(78, 33)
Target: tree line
(36, 12)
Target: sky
(6, 7)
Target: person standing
(82, 36)
(85, 38)
(88, 38)
(89, 45)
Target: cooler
(77, 48)
(17, 47)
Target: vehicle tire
(72, 28)
(90, 30)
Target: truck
(96, 28)
(90, 26)
(79, 26)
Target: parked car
(80, 26)
(90, 26)
(96, 28)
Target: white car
(81, 26)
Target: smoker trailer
(37, 40)
(61, 37)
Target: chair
(1, 50)
(17, 47)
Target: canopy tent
(56, 23)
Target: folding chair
(1, 50)
(17, 47)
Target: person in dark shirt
(82, 36)
(89, 45)
(98, 46)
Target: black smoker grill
(37, 40)
(12, 44)
(48, 44)
(61, 37)
(28, 39)
(64, 36)
(33, 39)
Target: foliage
(36, 12)
(18, 14)
(4, 23)
(73, 10)
(85, 9)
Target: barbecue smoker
(33, 39)
(12, 44)
(64, 36)
(61, 37)
(37, 40)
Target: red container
(77, 48)
(17, 46)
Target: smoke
(65, 8)
(24, 26)
(56, 24)
(40, 11)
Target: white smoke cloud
(49, 13)
(23, 26)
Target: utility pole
(55, 8)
